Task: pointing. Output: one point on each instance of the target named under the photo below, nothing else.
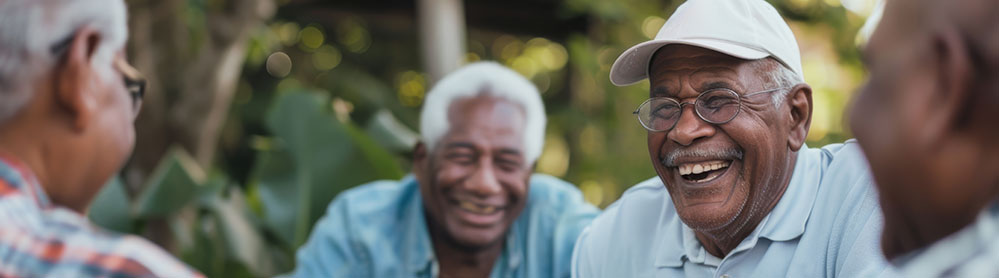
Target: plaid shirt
(39, 239)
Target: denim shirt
(827, 224)
(379, 230)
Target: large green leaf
(244, 241)
(314, 157)
(111, 209)
(175, 183)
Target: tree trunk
(442, 36)
(192, 53)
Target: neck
(720, 242)
(15, 145)
(30, 147)
(460, 261)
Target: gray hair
(484, 78)
(777, 75)
(30, 28)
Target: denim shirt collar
(785, 222)
(418, 249)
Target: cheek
(518, 190)
(450, 173)
(656, 141)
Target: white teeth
(476, 208)
(701, 167)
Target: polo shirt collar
(785, 222)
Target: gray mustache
(727, 154)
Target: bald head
(926, 118)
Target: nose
(484, 181)
(690, 127)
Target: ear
(799, 101)
(74, 78)
(421, 161)
(948, 111)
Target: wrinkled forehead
(487, 111)
(677, 57)
(674, 65)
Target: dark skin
(725, 210)
(926, 119)
(474, 184)
(76, 131)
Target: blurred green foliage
(327, 103)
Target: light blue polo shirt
(827, 224)
(379, 230)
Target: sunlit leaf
(173, 184)
(316, 158)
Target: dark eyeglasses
(716, 106)
(135, 83)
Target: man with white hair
(67, 102)
(472, 207)
(738, 192)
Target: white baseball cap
(746, 29)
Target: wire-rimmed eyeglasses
(716, 106)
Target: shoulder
(846, 219)
(842, 173)
(149, 256)
(556, 208)
(552, 192)
(376, 196)
(631, 229)
(369, 207)
(78, 248)
(637, 208)
(844, 158)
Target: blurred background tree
(261, 111)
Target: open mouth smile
(477, 208)
(702, 172)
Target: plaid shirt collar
(17, 178)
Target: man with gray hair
(472, 207)
(738, 192)
(67, 102)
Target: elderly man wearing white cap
(738, 193)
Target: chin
(476, 238)
(709, 217)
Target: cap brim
(633, 65)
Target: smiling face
(723, 179)
(474, 183)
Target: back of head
(31, 29)
(484, 78)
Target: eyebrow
(459, 145)
(509, 151)
(664, 91)
(716, 85)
